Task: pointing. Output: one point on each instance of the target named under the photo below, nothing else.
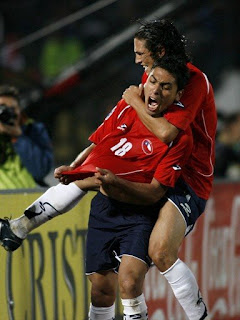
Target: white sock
(101, 313)
(55, 201)
(135, 307)
(185, 288)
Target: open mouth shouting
(153, 104)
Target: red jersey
(127, 148)
(197, 109)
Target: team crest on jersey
(122, 127)
(147, 146)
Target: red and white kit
(127, 148)
(197, 110)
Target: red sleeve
(109, 123)
(181, 116)
(170, 167)
(144, 78)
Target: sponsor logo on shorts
(186, 208)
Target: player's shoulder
(118, 109)
(198, 78)
(123, 108)
(195, 71)
(122, 104)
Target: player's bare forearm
(82, 156)
(88, 184)
(160, 127)
(130, 192)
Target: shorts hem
(90, 273)
(130, 255)
(179, 211)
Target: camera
(7, 114)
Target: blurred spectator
(228, 93)
(58, 52)
(228, 148)
(25, 148)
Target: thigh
(169, 230)
(189, 205)
(176, 218)
(105, 280)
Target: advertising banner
(212, 251)
(45, 278)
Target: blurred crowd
(212, 29)
(228, 147)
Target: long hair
(162, 34)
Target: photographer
(26, 154)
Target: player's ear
(161, 52)
(179, 95)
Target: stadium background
(72, 60)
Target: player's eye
(166, 87)
(152, 80)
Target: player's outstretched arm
(127, 191)
(162, 129)
(82, 156)
(76, 163)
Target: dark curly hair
(162, 34)
(10, 91)
(176, 67)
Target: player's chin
(153, 111)
(148, 70)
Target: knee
(162, 256)
(129, 286)
(102, 297)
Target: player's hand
(63, 178)
(87, 184)
(106, 180)
(133, 95)
(105, 177)
(58, 171)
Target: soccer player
(160, 38)
(119, 227)
(124, 211)
(157, 39)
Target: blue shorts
(117, 229)
(187, 202)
